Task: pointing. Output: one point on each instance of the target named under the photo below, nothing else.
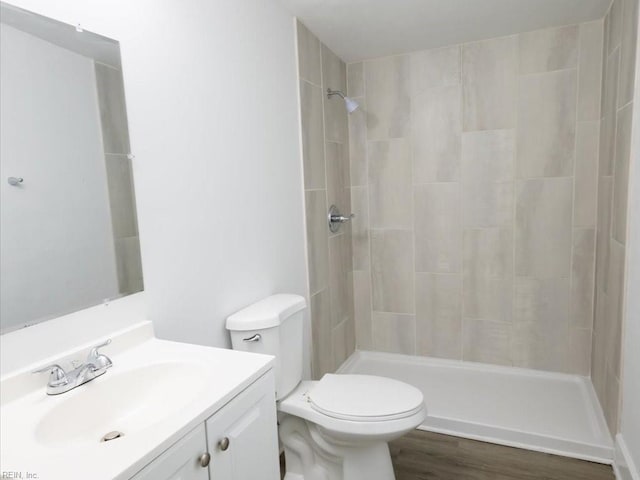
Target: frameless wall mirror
(68, 226)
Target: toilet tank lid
(266, 313)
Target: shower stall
(484, 261)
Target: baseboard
(623, 465)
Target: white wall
(213, 116)
(629, 438)
(55, 236)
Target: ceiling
(360, 29)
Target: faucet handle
(98, 359)
(57, 376)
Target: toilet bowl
(336, 428)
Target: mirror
(68, 225)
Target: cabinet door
(181, 461)
(243, 435)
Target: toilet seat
(298, 404)
(364, 398)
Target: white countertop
(221, 375)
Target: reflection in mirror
(68, 226)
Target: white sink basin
(127, 402)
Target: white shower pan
(547, 412)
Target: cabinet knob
(204, 460)
(224, 443)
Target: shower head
(350, 104)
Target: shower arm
(330, 93)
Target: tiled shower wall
(325, 143)
(115, 139)
(474, 180)
(620, 37)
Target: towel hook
(15, 181)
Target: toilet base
(312, 454)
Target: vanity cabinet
(181, 461)
(240, 442)
(243, 440)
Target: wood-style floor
(423, 455)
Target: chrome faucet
(61, 381)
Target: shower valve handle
(336, 219)
(342, 218)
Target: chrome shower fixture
(350, 104)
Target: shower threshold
(542, 411)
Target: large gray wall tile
(394, 333)
(606, 144)
(439, 315)
(438, 228)
(360, 227)
(580, 351)
(543, 227)
(487, 341)
(586, 174)
(436, 126)
(615, 306)
(362, 315)
(488, 156)
(355, 79)
(337, 166)
(390, 184)
(598, 358)
(590, 70)
(621, 174)
(541, 323)
(612, 401)
(489, 83)
(334, 76)
(605, 199)
(388, 103)
(488, 274)
(312, 135)
(487, 174)
(339, 344)
(392, 271)
(548, 50)
(339, 271)
(358, 144)
(546, 124)
(583, 277)
(610, 88)
(438, 67)
(308, 55)
(628, 51)
(317, 239)
(322, 359)
(487, 204)
(615, 25)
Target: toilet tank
(273, 326)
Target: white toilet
(336, 428)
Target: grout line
(514, 212)
(462, 178)
(313, 84)
(570, 366)
(412, 206)
(594, 287)
(368, 190)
